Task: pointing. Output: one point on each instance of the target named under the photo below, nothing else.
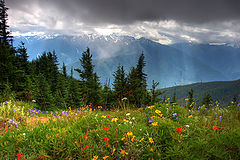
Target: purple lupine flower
(177, 118)
(5, 102)
(220, 118)
(174, 114)
(170, 107)
(150, 121)
(215, 114)
(146, 106)
(53, 116)
(117, 111)
(10, 121)
(57, 116)
(46, 111)
(38, 111)
(238, 104)
(51, 113)
(56, 112)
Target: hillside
(222, 91)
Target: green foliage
(83, 133)
(90, 83)
(120, 82)
(207, 100)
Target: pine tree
(75, 99)
(140, 74)
(90, 81)
(5, 37)
(174, 98)
(155, 93)
(190, 98)
(207, 100)
(42, 93)
(120, 82)
(64, 70)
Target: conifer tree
(140, 74)
(42, 93)
(5, 37)
(174, 98)
(190, 98)
(120, 82)
(90, 81)
(207, 100)
(155, 93)
(64, 70)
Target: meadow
(161, 131)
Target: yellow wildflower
(123, 138)
(155, 123)
(153, 117)
(113, 151)
(95, 157)
(141, 140)
(150, 140)
(168, 98)
(124, 120)
(133, 138)
(129, 133)
(151, 150)
(190, 116)
(186, 99)
(114, 120)
(104, 116)
(158, 112)
(99, 107)
(174, 103)
(150, 107)
(123, 152)
(105, 157)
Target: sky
(163, 21)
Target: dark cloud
(129, 11)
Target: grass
(162, 131)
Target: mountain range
(176, 64)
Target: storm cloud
(129, 11)
(155, 19)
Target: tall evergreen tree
(90, 81)
(120, 82)
(64, 70)
(5, 37)
(140, 74)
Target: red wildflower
(204, 124)
(108, 117)
(106, 140)
(84, 136)
(19, 156)
(82, 149)
(87, 146)
(6, 128)
(106, 129)
(178, 129)
(215, 128)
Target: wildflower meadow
(160, 131)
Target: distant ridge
(221, 91)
